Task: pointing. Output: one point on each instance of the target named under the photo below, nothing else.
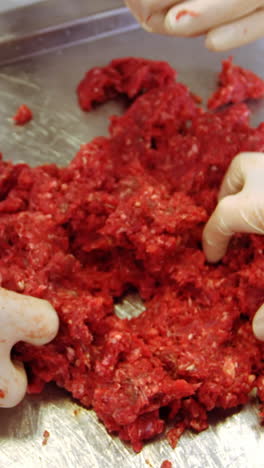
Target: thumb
(258, 324)
(234, 213)
(13, 380)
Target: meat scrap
(235, 85)
(166, 464)
(46, 436)
(23, 115)
(128, 212)
(127, 76)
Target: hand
(22, 318)
(227, 23)
(240, 209)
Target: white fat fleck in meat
(70, 353)
(229, 367)
(214, 168)
(191, 367)
(251, 378)
(225, 316)
(21, 285)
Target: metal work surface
(46, 83)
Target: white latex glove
(227, 23)
(22, 318)
(240, 209)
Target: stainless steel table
(55, 56)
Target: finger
(144, 9)
(244, 168)
(26, 318)
(155, 23)
(13, 381)
(236, 34)
(235, 213)
(199, 16)
(258, 324)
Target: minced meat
(23, 115)
(235, 85)
(128, 212)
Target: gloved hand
(227, 23)
(22, 318)
(240, 209)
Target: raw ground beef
(23, 115)
(128, 212)
(235, 85)
(129, 77)
(166, 464)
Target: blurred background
(6, 5)
(32, 15)
(10, 4)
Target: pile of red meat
(128, 212)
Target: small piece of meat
(129, 76)
(166, 464)
(23, 115)
(46, 436)
(235, 85)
